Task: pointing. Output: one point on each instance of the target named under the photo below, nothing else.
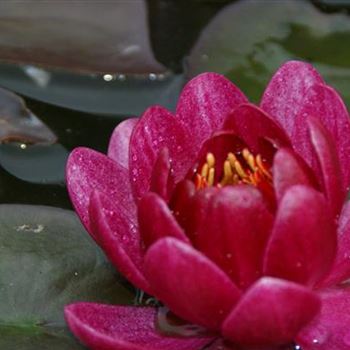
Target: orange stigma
(242, 168)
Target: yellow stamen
(205, 170)
(239, 169)
(249, 158)
(232, 159)
(211, 176)
(262, 167)
(210, 160)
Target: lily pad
(41, 164)
(47, 260)
(100, 94)
(19, 124)
(248, 40)
(92, 36)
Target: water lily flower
(230, 214)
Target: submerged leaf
(248, 40)
(19, 124)
(117, 40)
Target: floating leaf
(46, 261)
(93, 36)
(19, 124)
(42, 164)
(249, 40)
(122, 95)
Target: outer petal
(157, 129)
(107, 327)
(233, 232)
(341, 269)
(285, 94)
(326, 153)
(303, 241)
(118, 148)
(330, 329)
(289, 170)
(162, 181)
(157, 221)
(204, 104)
(189, 284)
(324, 103)
(119, 238)
(88, 170)
(255, 127)
(271, 312)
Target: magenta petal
(328, 160)
(271, 312)
(197, 210)
(341, 267)
(157, 221)
(285, 94)
(330, 330)
(119, 238)
(191, 285)
(107, 327)
(324, 103)
(221, 344)
(180, 202)
(162, 181)
(88, 170)
(157, 129)
(303, 241)
(204, 104)
(289, 170)
(118, 148)
(254, 126)
(233, 232)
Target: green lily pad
(248, 40)
(41, 164)
(47, 260)
(107, 95)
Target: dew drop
(121, 77)
(152, 76)
(319, 336)
(108, 77)
(179, 148)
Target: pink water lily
(231, 215)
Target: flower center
(240, 168)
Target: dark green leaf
(47, 260)
(249, 40)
